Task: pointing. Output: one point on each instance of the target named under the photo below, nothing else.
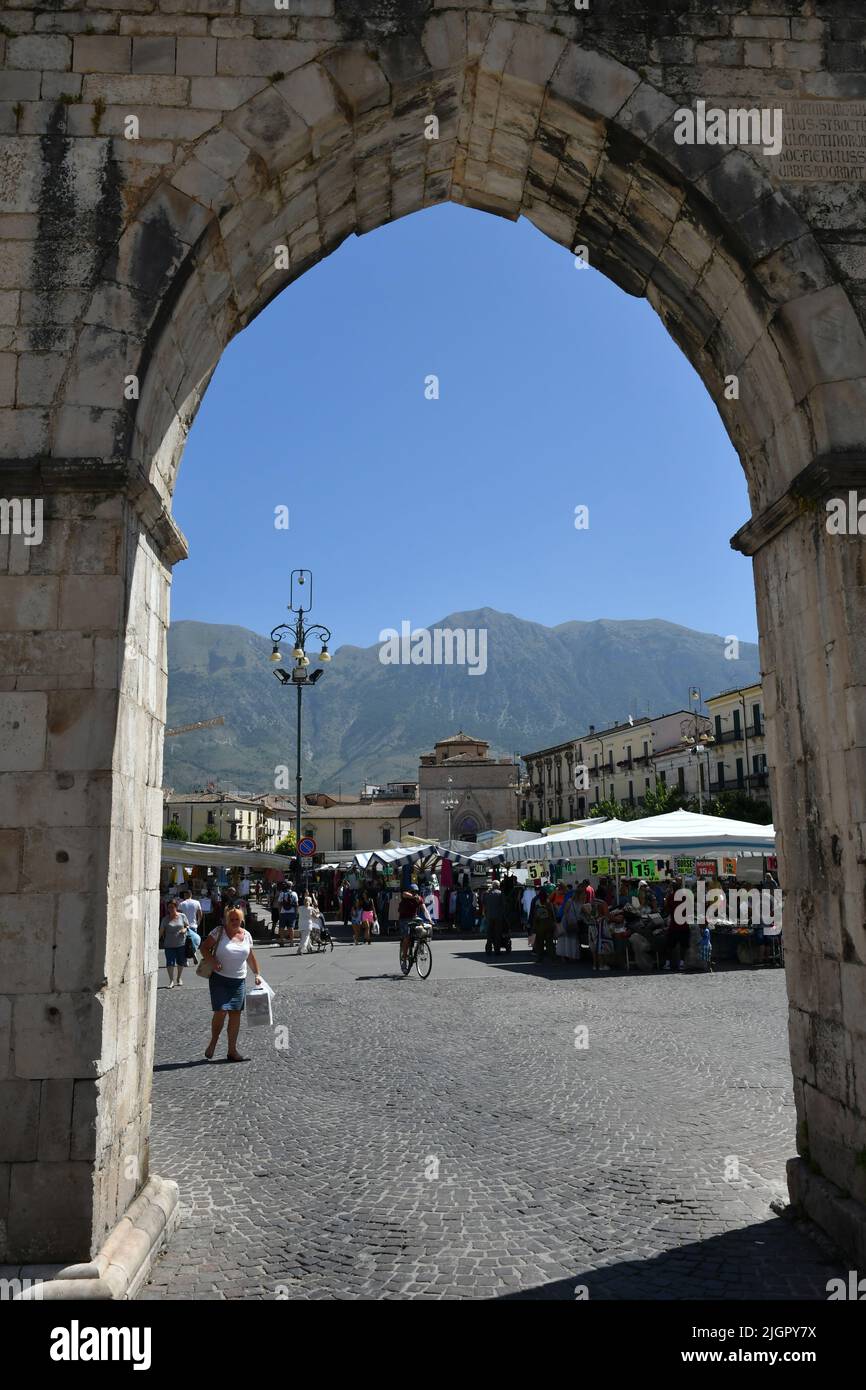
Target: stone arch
(313, 129)
(579, 143)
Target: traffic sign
(307, 847)
(306, 861)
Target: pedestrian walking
(230, 947)
(366, 918)
(494, 917)
(307, 914)
(173, 931)
(543, 925)
(288, 913)
(192, 910)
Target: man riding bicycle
(411, 909)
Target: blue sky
(557, 390)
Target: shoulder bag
(205, 966)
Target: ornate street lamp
(450, 802)
(299, 676)
(698, 740)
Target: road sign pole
(298, 790)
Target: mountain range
(368, 721)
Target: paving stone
(601, 1168)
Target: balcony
(728, 736)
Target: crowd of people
(655, 924)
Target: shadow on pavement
(751, 1263)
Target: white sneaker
(171, 986)
(667, 965)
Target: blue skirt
(225, 994)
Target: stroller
(320, 937)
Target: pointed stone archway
(264, 142)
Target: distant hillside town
(462, 793)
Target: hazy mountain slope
(369, 720)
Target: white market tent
(182, 853)
(678, 832)
(395, 854)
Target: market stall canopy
(395, 854)
(680, 832)
(224, 856)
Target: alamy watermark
(757, 905)
(846, 516)
(22, 516)
(438, 646)
(737, 126)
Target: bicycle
(419, 953)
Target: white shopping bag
(259, 1010)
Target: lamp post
(698, 740)
(299, 676)
(450, 801)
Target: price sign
(642, 868)
(705, 868)
(685, 864)
(771, 863)
(599, 866)
(729, 867)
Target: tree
(286, 844)
(209, 836)
(611, 809)
(173, 832)
(738, 805)
(664, 798)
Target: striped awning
(221, 856)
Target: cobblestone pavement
(310, 1172)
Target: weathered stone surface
(257, 127)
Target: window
(347, 839)
(581, 805)
(737, 729)
(628, 754)
(740, 782)
(701, 776)
(386, 834)
(645, 748)
(681, 778)
(175, 820)
(596, 793)
(631, 792)
(610, 760)
(756, 718)
(646, 783)
(596, 762)
(718, 728)
(210, 818)
(663, 778)
(720, 773)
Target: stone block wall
(83, 617)
(127, 264)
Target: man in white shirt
(191, 909)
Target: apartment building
(738, 755)
(567, 780)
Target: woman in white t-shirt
(230, 947)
